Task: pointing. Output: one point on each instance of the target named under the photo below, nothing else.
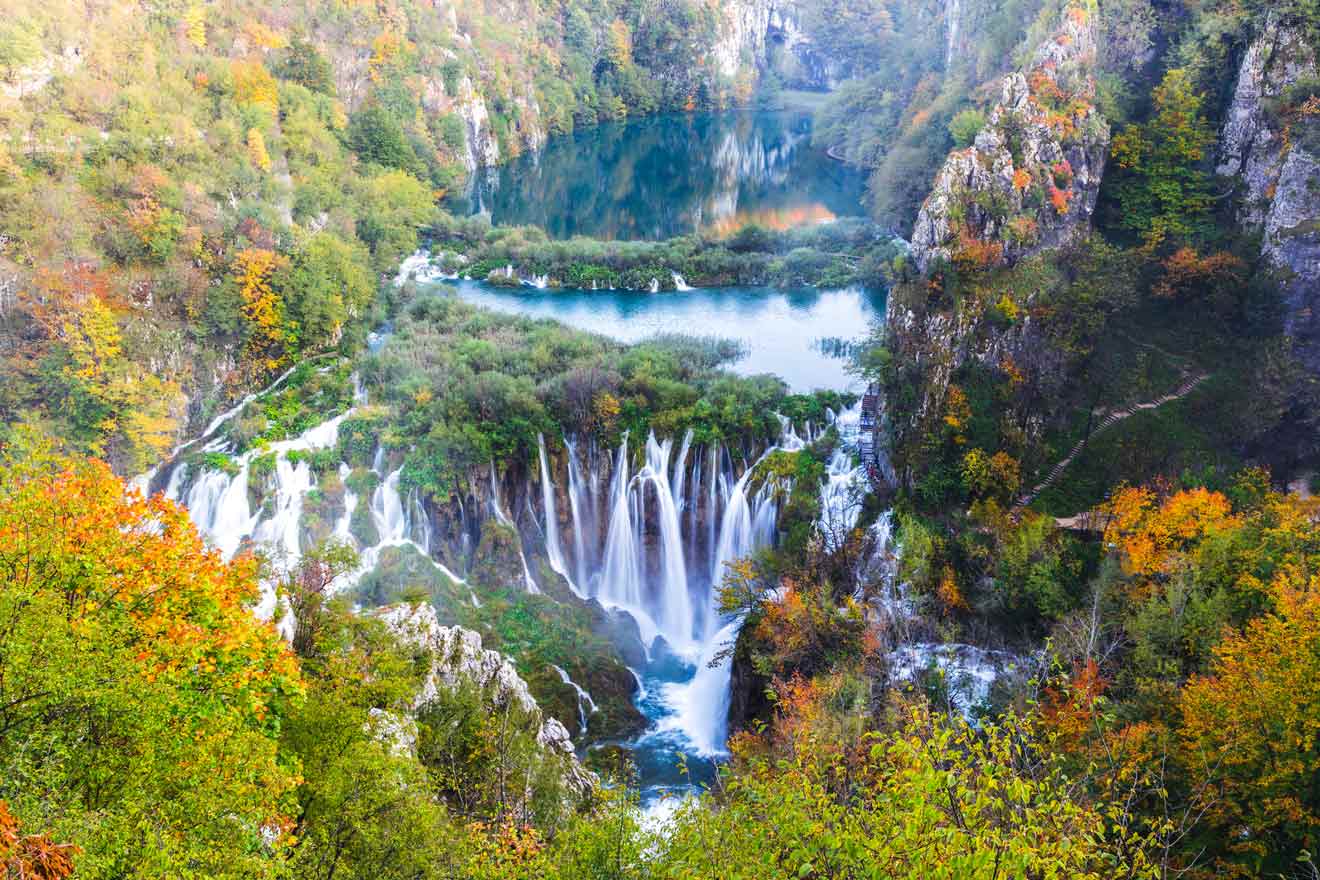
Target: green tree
(965, 125)
(19, 46)
(376, 136)
(306, 66)
(1164, 187)
(326, 284)
(393, 206)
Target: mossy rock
(496, 564)
(404, 574)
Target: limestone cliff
(768, 36)
(1028, 184)
(1271, 144)
(1030, 179)
(457, 657)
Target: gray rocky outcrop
(1273, 149)
(1030, 179)
(457, 657)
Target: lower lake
(799, 335)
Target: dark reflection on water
(670, 175)
(781, 331)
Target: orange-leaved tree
(1251, 727)
(139, 696)
(31, 856)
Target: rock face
(760, 36)
(1275, 154)
(483, 149)
(1030, 179)
(457, 657)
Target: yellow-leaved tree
(139, 695)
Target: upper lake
(662, 176)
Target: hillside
(966, 530)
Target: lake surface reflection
(662, 176)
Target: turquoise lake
(669, 175)
(782, 331)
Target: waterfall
(677, 480)
(735, 532)
(553, 550)
(952, 13)
(680, 283)
(625, 581)
(581, 508)
(282, 528)
(585, 702)
(700, 707)
(398, 524)
(655, 286)
(839, 502)
(343, 525)
(503, 519)
(653, 530)
(387, 510)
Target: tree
(619, 46)
(32, 856)
(858, 31)
(393, 206)
(262, 308)
(306, 66)
(139, 696)
(325, 284)
(256, 145)
(1164, 189)
(965, 125)
(1251, 728)
(19, 46)
(254, 86)
(935, 798)
(376, 136)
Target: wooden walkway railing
(1110, 420)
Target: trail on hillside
(1110, 420)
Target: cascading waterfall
(652, 535)
(952, 14)
(662, 563)
(582, 509)
(218, 502)
(700, 707)
(586, 705)
(840, 505)
(553, 549)
(503, 519)
(626, 579)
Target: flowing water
(657, 177)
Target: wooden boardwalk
(1110, 420)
